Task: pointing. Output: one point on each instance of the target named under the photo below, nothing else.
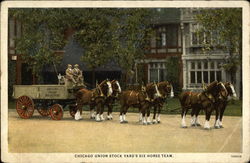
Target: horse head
(152, 90)
(165, 89)
(222, 90)
(105, 88)
(116, 87)
(230, 89)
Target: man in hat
(69, 74)
(78, 75)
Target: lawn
(172, 106)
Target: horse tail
(183, 97)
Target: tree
(131, 37)
(105, 34)
(224, 27)
(42, 34)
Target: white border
(178, 157)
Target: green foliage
(224, 27)
(104, 33)
(42, 35)
(173, 70)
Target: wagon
(46, 99)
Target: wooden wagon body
(47, 99)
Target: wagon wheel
(56, 112)
(25, 107)
(43, 111)
(72, 110)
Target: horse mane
(211, 86)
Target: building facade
(174, 36)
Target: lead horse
(142, 99)
(95, 97)
(221, 104)
(203, 100)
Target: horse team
(215, 96)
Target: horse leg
(208, 112)
(193, 116)
(158, 114)
(97, 117)
(148, 116)
(92, 112)
(140, 114)
(101, 112)
(124, 115)
(121, 111)
(197, 122)
(155, 108)
(217, 119)
(221, 114)
(183, 116)
(78, 113)
(143, 111)
(109, 117)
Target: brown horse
(95, 97)
(142, 99)
(111, 99)
(165, 89)
(204, 100)
(221, 104)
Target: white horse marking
(148, 120)
(78, 115)
(233, 90)
(193, 119)
(157, 94)
(144, 122)
(119, 87)
(121, 118)
(110, 91)
(183, 122)
(206, 125)
(101, 117)
(140, 117)
(197, 122)
(172, 92)
(217, 123)
(124, 117)
(220, 123)
(92, 114)
(97, 118)
(158, 118)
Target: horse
(95, 97)
(111, 99)
(165, 89)
(203, 100)
(142, 99)
(221, 104)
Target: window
(204, 71)
(199, 38)
(157, 72)
(167, 39)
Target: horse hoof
(149, 123)
(158, 121)
(192, 125)
(216, 127)
(125, 121)
(221, 127)
(197, 124)
(144, 123)
(184, 126)
(206, 128)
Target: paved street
(41, 134)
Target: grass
(172, 106)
